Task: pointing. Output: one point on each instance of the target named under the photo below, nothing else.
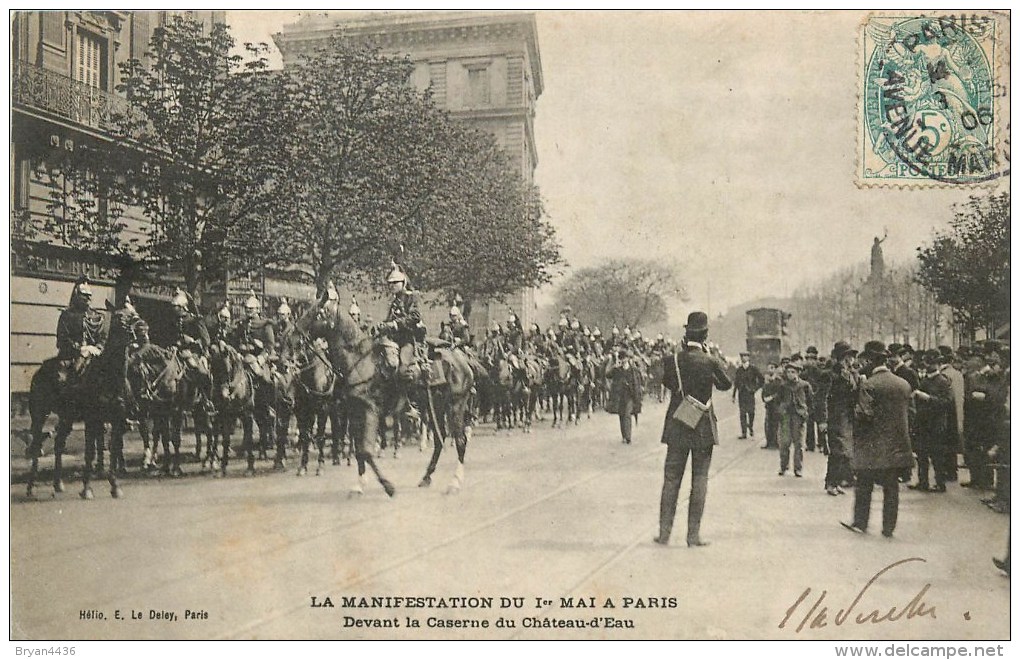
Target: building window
(478, 86)
(88, 68)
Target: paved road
(554, 515)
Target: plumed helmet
(564, 322)
(81, 288)
(454, 312)
(354, 310)
(252, 302)
(284, 308)
(626, 331)
(224, 312)
(511, 317)
(658, 337)
(179, 299)
(396, 274)
(596, 332)
(331, 292)
(575, 325)
(616, 330)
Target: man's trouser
(673, 473)
(791, 432)
(625, 414)
(866, 480)
(976, 455)
(771, 428)
(837, 469)
(746, 404)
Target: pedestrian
(818, 378)
(625, 391)
(839, 423)
(768, 397)
(935, 426)
(881, 440)
(983, 413)
(951, 369)
(901, 359)
(690, 428)
(746, 381)
(794, 396)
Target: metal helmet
(596, 332)
(179, 299)
(81, 289)
(331, 292)
(354, 310)
(551, 333)
(454, 312)
(637, 335)
(396, 274)
(575, 325)
(511, 317)
(626, 331)
(252, 302)
(284, 308)
(564, 322)
(616, 330)
(224, 313)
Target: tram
(766, 335)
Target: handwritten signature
(818, 615)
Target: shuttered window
(88, 67)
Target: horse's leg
(320, 439)
(306, 425)
(282, 426)
(364, 424)
(175, 422)
(437, 450)
(90, 457)
(226, 427)
(247, 424)
(460, 440)
(39, 413)
(118, 428)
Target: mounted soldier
(81, 332)
(403, 325)
(288, 340)
(189, 335)
(254, 337)
(221, 326)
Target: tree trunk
(466, 311)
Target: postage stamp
(931, 107)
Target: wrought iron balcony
(60, 95)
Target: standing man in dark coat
(769, 390)
(691, 372)
(746, 381)
(818, 379)
(901, 357)
(625, 392)
(881, 445)
(935, 424)
(984, 412)
(794, 398)
(839, 425)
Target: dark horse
(95, 398)
(233, 398)
(447, 397)
(352, 353)
(314, 387)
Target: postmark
(931, 108)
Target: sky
(723, 142)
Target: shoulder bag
(690, 411)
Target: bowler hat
(905, 350)
(796, 357)
(932, 356)
(697, 321)
(894, 348)
(792, 365)
(946, 350)
(993, 358)
(841, 349)
(811, 350)
(744, 354)
(875, 348)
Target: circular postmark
(930, 107)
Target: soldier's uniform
(403, 323)
(220, 327)
(253, 337)
(288, 340)
(81, 331)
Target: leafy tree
(376, 166)
(205, 128)
(623, 292)
(967, 267)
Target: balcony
(60, 95)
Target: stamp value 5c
(931, 110)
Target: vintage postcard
(511, 325)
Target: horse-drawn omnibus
(766, 335)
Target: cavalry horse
(558, 387)
(448, 395)
(233, 397)
(161, 389)
(352, 354)
(95, 398)
(314, 387)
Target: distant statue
(877, 260)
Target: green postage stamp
(932, 109)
